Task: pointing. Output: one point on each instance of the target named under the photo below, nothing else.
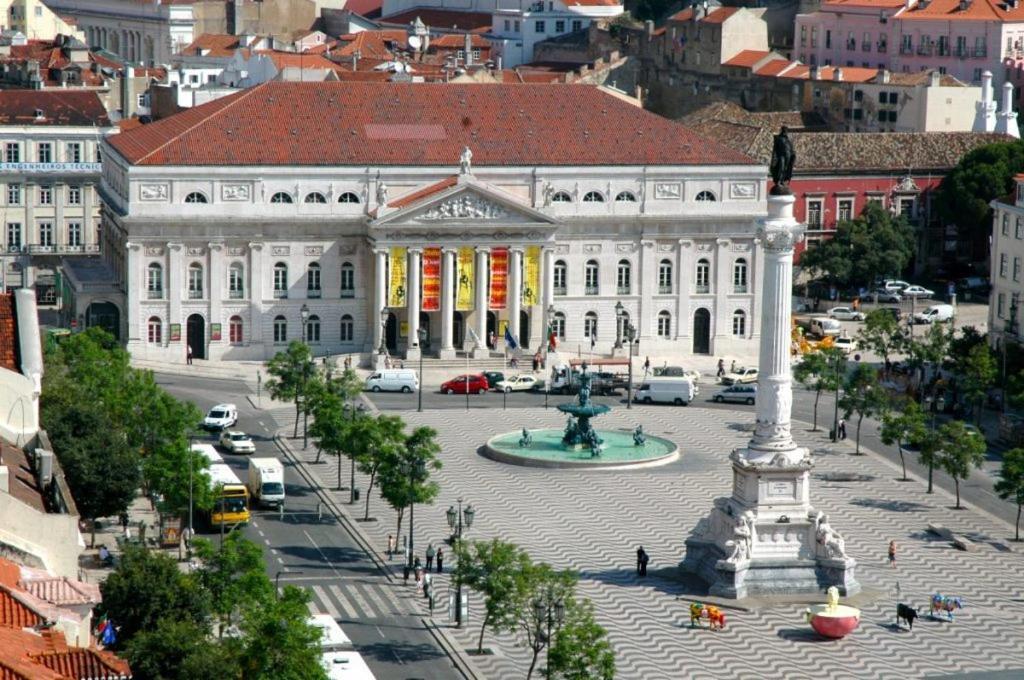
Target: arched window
(561, 271)
(313, 329)
(739, 276)
(702, 280)
(590, 325)
(313, 280)
(623, 277)
(235, 335)
(665, 277)
(347, 328)
(625, 197)
(558, 325)
(348, 280)
(280, 280)
(348, 197)
(664, 324)
(195, 281)
(155, 330)
(561, 197)
(196, 197)
(739, 323)
(155, 281)
(281, 197)
(280, 330)
(593, 197)
(315, 197)
(706, 197)
(236, 281)
(590, 278)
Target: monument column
(380, 297)
(515, 293)
(447, 302)
(412, 297)
(482, 295)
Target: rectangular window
(45, 195)
(828, 39)
(348, 281)
(1018, 230)
(560, 27)
(590, 280)
(508, 26)
(538, 27)
(1016, 269)
(844, 211)
(814, 36)
(803, 36)
(46, 234)
(12, 152)
(74, 195)
(577, 25)
(1006, 225)
(1001, 305)
(814, 214)
(13, 194)
(14, 235)
(517, 25)
(45, 152)
(75, 234)
(236, 283)
(74, 152)
(1002, 264)
(559, 284)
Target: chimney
(44, 467)
(649, 28)
(837, 75)
(985, 110)
(815, 73)
(883, 76)
(1006, 121)
(469, 50)
(936, 79)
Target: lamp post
(630, 332)
(835, 413)
(1008, 332)
(620, 311)
(455, 518)
(191, 455)
(550, 330)
(259, 385)
(304, 315)
(421, 334)
(548, 610)
(416, 469)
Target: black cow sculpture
(905, 613)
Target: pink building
(960, 37)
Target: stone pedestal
(766, 539)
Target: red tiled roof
(458, 41)
(59, 107)
(366, 8)
(440, 18)
(14, 614)
(370, 44)
(851, 74)
(872, 4)
(84, 664)
(976, 10)
(775, 67)
(46, 656)
(747, 58)
(437, 187)
(715, 15)
(23, 482)
(213, 45)
(49, 56)
(287, 123)
(8, 333)
(301, 60)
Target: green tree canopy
(905, 425)
(497, 570)
(977, 371)
(882, 334)
(290, 373)
(179, 649)
(405, 477)
(277, 642)
(386, 444)
(870, 247)
(864, 396)
(1010, 485)
(960, 451)
(233, 575)
(546, 591)
(581, 650)
(818, 371)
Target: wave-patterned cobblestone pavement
(593, 522)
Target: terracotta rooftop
(8, 333)
(851, 74)
(212, 45)
(775, 67)
(49, 56)
(919, 78)
(869, 4)
(748, 58)
(59, 107)
(458, 41)
(46, 656)
(729, 112)
(976, 10)
(301, 60)
(443, 19)
(15, 614)
(353, 123)
(435, 188)
(715, 15)
(370, 44)
(22, 480)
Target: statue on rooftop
(783, 159)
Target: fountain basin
(547, 451)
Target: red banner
(431, 280)
(499, 277)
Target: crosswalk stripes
(354, 601)
(377, 600)
(320, 598)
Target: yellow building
(36, 21)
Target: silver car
(737, 394)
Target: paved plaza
(593, 522)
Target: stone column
(175, 290)
(216, 268)
(256, 278)
(380, 296)
(412, 301)
(515, 293)
(684, 274)
(645, 284)
(482, 297)
(136, 290)
(447, 303)
(721, 286)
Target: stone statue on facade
(783, 159)
(466, 161)
(830, 543)
(382, 194)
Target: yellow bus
(232, 498)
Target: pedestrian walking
(721, 368)
(188, 354)
(391, 546)
(536, 362)
(440, 560)
(430, 556)
(492, 340)
(123, 517)
(842, 428)
(641, 561)
(892, 554)
(732, 367)
(514, 363)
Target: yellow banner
(396, 291)
(466, 273)
(531, 276)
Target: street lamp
(304, 315)
(416, 470)
(384, 314)
(421, 334)
(455, 518)
(548, 610)
(1008, 332)
(630, 333)
(620, 312)
(840, 361)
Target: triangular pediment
(463, 201)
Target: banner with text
(499, 277)
(531, 276)
(466, 277)
(396, 287)
(431, 280)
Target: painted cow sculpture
(714, 615)
(945, 603)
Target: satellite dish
(415, 42)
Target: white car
(221, 417)
(847, 345)
(740, 375)
(516, 383)
(237, 442)
(895, 285)
(917, 292)
(845, 314)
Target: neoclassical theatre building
(356, 214)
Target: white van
(266, 481)
(221, 417)
(822, 326)
(678, 391)
(393, 380)
(934, 313)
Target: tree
(387, 443)
(961, 346)
(233, 575)
(147, 587)
(546, 591)
(882, 334)
(581, 650)
(874, 245)
(960, 450)
(817, 371)
(930, 350)
(347, 387)
(977, 371)
(496, 570)
(905, 425)
(277, 642)
(332, 431)
(1011, 482)
(864, 396)
(290, 372)
(405, 477)
(180, 650)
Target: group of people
(721, 368)
(430, 554)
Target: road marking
(326, 602)
(354, 592)
(339, 595)
(259, 531)
(389, 595)
(379, 631)
(371, 592)
(313, 543)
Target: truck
(565, 378)
(266, 481)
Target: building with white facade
(34, 20)
(357, 206)
(50, 166)
(519, 25)
(1004, 312)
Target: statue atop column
(783, 159)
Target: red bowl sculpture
(833, 622)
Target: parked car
(895, 285)
(934, 313)
(845, 314)
(847, 345)
(474, 384)
(493, 378)
(393, 380)
(884, 295)
(737, 394)
(740, 375)
(676, 372)
(516, 383)
(917, 292)
(220, 417)
(237, 442)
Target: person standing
(640, 555)
(430, 556)
(440, 560)
(842, 428)
(188, 354)
(721, 368)
(892, 554)
(391, 546)
(643, 563)
(732, 367)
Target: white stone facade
(1007, 268)
(664, 224)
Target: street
(322, 556)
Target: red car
(475, 383)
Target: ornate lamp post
(304, 315)
(630, 332)
(455, 518)
(620, 312)
(421, 334)
(549, 612)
